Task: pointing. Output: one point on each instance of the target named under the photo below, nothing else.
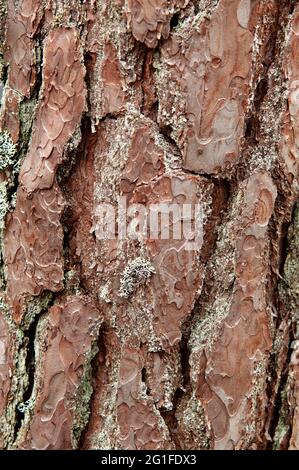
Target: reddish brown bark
(185, 102)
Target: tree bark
(140, 343)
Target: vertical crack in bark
(29, 340)
(278, 400)
(31, 323)
(169, 416)
(97, 364)
(97, 373)
(279, 413)
(35, 309)
(166, 133)
(271, 71)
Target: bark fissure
(29, 344)
(97, 365)
(277, 399)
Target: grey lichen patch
(26, 406)
(3, 305)
(8, 151)
(4, 204)
(278, 342)
(7, 203)
(107, 186)
(207, 330)
(202, 10)
(72, 281)
(136, 273)
(174, 115)
(142, 316)
(66, 13)
(283, 426)
(171, 381)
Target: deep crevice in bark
(174, 20)
(166, 133)
(169, 416)
(30, 336)
(97, 366)
(277, 404)
(144, 379)
(280, 376)
(4, 75)
(30, 363)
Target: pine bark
(152, 100)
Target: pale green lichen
(8, 151)
(281, 432)
(194, 423)
(136, 273)
(83, 395)
(35, 306)
(283, 426)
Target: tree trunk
(139, 341)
